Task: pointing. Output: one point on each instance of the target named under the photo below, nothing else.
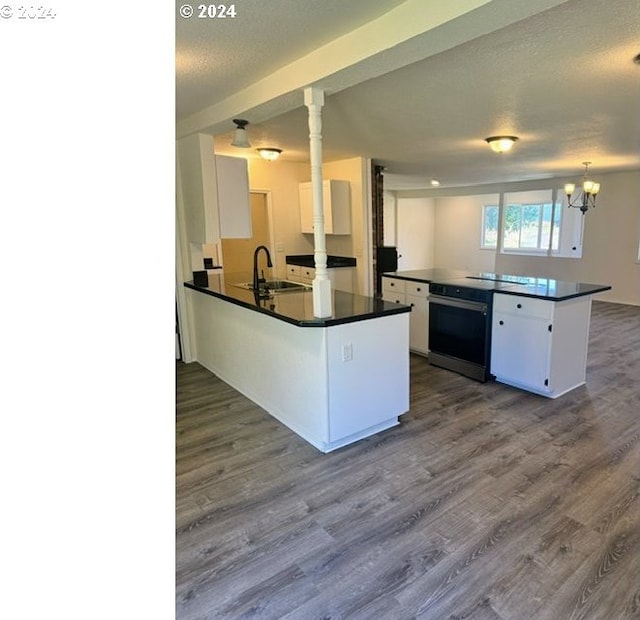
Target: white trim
(367, 287)
(182, 258)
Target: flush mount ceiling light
(501, 144)
(240, 138)
(435, 183)
(586, 196)
(269, 153)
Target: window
(529, 224)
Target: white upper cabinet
(336, 205)
(234, 205)
(199, 188)
(214, 191)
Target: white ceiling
(558, 74)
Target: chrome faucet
(256, 280)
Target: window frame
(564, 225)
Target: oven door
(459, 335)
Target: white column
(322, 302)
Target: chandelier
(586, 196)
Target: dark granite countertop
(427, 275)
(524, 286)
(297, 307)
(333, 262)
(554, 290)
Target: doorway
(237, 254)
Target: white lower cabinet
(293, 273)
(393, 290)
(540, 345)
(341, 277)
(416, 295)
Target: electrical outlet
(347, 352)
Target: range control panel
(461, 292)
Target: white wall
(415, 233)
(458, 224)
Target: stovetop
(494, 277)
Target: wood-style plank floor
(485, 503)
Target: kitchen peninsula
(331, 380)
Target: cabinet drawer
(393, 285)
(419, 289)
(307, 273)
(293, 271)
(393, 298)
(525, 306)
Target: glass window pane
(490, 226)
(512, 222)
(530, 227)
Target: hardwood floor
(486, 502)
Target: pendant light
(240, 138)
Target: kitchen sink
(277, 286)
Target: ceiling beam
(409, 33)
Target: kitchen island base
(540, 345)
(331, 385)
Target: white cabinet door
(336, 207)
(214, 191)
(520, 350)
(418, 323)
(197, 185)
(416, 295)
(234, 205)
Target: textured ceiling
(214, 60)
(563, 80)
